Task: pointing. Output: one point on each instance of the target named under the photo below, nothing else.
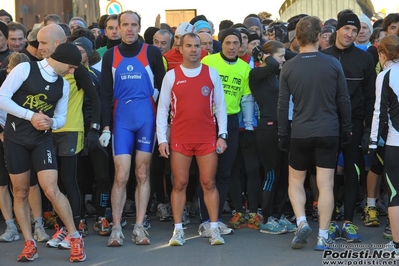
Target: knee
(208, 184)
(51, 192)
(179, 185)
(21, 193)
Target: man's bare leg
(143, 189)
(118, 193)
(296, 191)
(325, 184)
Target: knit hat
(230, 31)
(184, 28)
(252, 21)
(253, 36)
(200, 24)
(241, 28)
(5, 13)
(86, 44)
(327, 29)
(93, 25)
(365, 19)
(198, 18)
(348, 19)
(4, 29)
(67, 53)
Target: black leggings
(392, 174)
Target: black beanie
(86, 44)
(4, 29)
(5, 13)
(198, 18)
(253, 36)
(349, 19)
(149, 34)
(230, 31)
(67, 53)
(241, 28)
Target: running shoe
(83, 228)
(333, 231)
(324, 244)
(390, 248)
(60, 234)
(204, 229)
(40, 234)
(11, 234)
(163, 213)
(215, 238)
(254, 221)
(146, 222)
(177, 238)
(65, 244)
(291, 227)
(301, 234)
(140, 236)
(272, 227)
(371, 217)
(224, 230)
(116, 237)
(387, 231)
(349, 233)
(237, 221)
(102, 226)
(77, 253)
(29, 253)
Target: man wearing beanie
(234, 74)
(242, 51)
(254, 24)
(31, 50)
(366, 29)
(5, 17)
(360, 76)
(4, 50)
(69, 140)
(31, 140)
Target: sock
(38, 221)
(75, 235)
(371, 202)
(10, 223)
(179, 226)
(323, 233)
(396, 244)
(138, 224)
(300, 219)
(214, 225)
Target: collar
(345, 50)
(227, 59)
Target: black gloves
(346, 138)
(284, 143)
(248, 139)
(257, 54)
(365, 140)
(92, 139)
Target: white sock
(75, 235)
(214, 225)
(300, 219)
(39, 221)
(371, 202)
(179, 226)
(323, 233)
(11, 224)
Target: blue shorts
(134, 126)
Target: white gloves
(104, 138)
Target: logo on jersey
(181, 82)
(144, 140)
(47, 88)
(37, 102)
(129, 68)
(205, 91)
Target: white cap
(184, 28)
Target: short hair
(129, 12)
(164, 32)
(52, 17)
(16, 58)
(165, 26)
(308, 30)
(66, 29)
(389, 47)
(110, 17)
(375, 35)
(388, 20)
(82, 32)
(225, 24)
(271, 47)
(13, 26)
(101, 21)
(190, 34)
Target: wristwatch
(95, 126)
(224, 136)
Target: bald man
(206, 42)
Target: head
(244, 37)
(348, 27)
(253, 41)
(33, 44)
(197, 18)
(111, 28)
(366, 29)
(254, 24)
(3, 37)
(308, 30)
(65, 59)
(16, 58)
(162, 39)
(206, 42)
(129, 23)
(325, 35)
(231, 41)
(388, 49)
(190, 48)
(330, 22)
(149, 34)
(390, 24)
(16, 36)
(77, 22)
(377, 35)
(202, 26)
(95, 29)
(225, 24)
(344, 12)
(85, 47)
(291, 31)
(49, 37)
(276, 50)
(66, 29)
(182, 29)
(52, 19)
(5, 17)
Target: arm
(61, 108)
(369, 91)
(257, 74)
(220, 103)
(106, 89)
(343, 99)
(282, 104)
(157, 65)
(380, 107)
(247, 103)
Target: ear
(180, 49)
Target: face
(204, 30)
(324, 40)
(382, 35)
(346, 35)
(191, 49)
(3, 42)
(73, 25)
(176, 39)
(230, 46)
(5, 19)
(96, 32)
(206, 42)
(85, 58)
(112, 30)
(270, 35)
(64, 69)
(129, 28)
(255, 28)
(16, 40)
(47, 44)
(393, 28)
(382, 58)
(364, 33)
(162, 41)
(279, 56)
(252, 45)
(244, 45)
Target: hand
(92, 139)
(221, 146)
(284, 143)
(247, 139)
(346, 138)
(164, 149)
(2, 136)
(41, 121)
(104, 138)
(365, 141)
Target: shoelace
(351, 229)
(29, 247)
(331, 229)
(76, 246)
